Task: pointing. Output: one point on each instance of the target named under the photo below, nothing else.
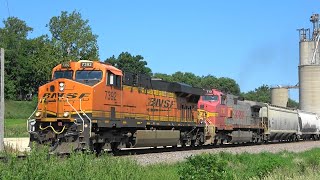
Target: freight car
(309, 125)
(90, 105)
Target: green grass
(15, 128)
(19, 109)
(16, 115)
(284, 165)
(38, 165)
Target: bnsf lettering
(83, 95)
(66, 95)
(160, 103)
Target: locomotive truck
(93, 106)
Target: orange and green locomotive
(90, 105)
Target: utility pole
(1, 99)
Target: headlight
(66, 114)
(38, 114)
(61, 86)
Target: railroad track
(140, 151)
(151, 150)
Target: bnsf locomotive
(93, 106)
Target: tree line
(29, 61)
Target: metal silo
(309, 68)
(279, 96)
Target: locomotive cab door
(113, 93)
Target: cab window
(88, 77)
(63, 74)
(113, 80)
(210, 98)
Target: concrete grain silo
(279, 96)
(309, 68)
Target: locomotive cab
(213, 106)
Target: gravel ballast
(176, 156)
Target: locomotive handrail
(34, 111)
(87, 117)
(77, 113)
(29, 120)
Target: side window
(118, 81)
(113, 80)
(235, 101)
(110, 79)
(223, 100)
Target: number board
(65, 65)
(86, 64)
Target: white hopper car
(289, 124)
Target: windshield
(63, 74)
(210, 98)
(88, 75)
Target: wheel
(114, 148)
(97, 148)
(193, 143)
(215, 142)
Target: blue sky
(253, 42)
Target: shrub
(205, 166)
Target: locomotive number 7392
(111, 95)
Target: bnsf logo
(160, 103)
(65, 95)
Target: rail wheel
(98, 148)
(215, 142)
(114, 148)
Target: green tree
(129, 63)
(41, 59)
(73, 37)
(187, 78)
(292, 103)
(228, 85)
(13, 38)
(260, 94)
(209, 82)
